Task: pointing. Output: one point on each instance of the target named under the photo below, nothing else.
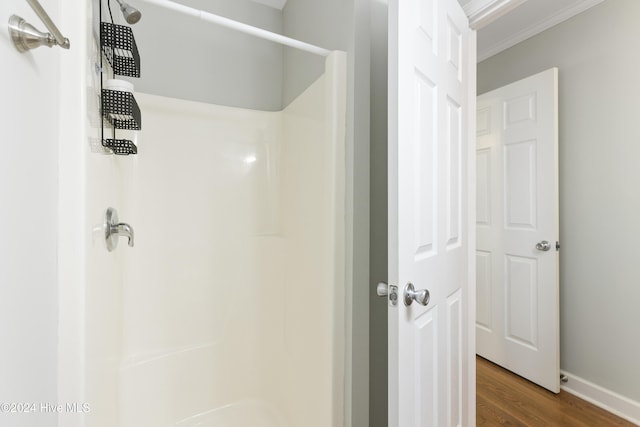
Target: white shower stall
(229, 310)
(232, 297)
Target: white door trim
(471, 224)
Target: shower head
(131, 14)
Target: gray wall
(596, 53)
(378, 233)
(29, 200)
(343, 25)
(183, 57)
(359, 192)
(328, 24)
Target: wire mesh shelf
(121, 109)
(121, 147)
(120, 49)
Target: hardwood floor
(504, 398)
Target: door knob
(543, 246)
(422, 296)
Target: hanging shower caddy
(120, 49)
(119, 108)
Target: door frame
(481, 13)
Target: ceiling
(527, 20)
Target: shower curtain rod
(239, 26)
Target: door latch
(386, 290)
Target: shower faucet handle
(113, 229)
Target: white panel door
(431, 92)
(517, 314)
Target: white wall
(599, 192)
(185, 58)
(28, 194)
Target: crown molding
(538, 27)
(276, 4)
(483, 12)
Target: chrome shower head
(131, 14)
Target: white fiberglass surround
(229, 309)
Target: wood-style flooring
(505, 399)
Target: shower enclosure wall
(229, 309)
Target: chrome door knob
(543, 246)
(422, 296)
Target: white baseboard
(605, 399)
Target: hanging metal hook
(25, 36)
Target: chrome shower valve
(113, 229)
